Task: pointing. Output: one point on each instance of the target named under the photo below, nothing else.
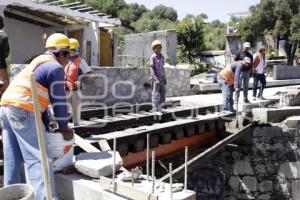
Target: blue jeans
(158, 95)
(227, 93)
(20, 145)
(262, 79)
(245, 76)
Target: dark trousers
(259, 78)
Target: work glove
(67, 133)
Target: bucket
(59, 151)
(17, 192)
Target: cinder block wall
(283, 72)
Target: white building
(26, 23)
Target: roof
(51, 15)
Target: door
(105, 49)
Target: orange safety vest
(228, 75)
(71, 73)
(19, 93)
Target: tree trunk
(288, 49)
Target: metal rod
(171, 181)
(153, 172)
(214, 149)
(147, 156)
(114, 160)
(185, 168)
(41, 141)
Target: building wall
(25, 39)
(138, 47)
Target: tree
(132, 12)
(278, 17)
(214, 38)
(190, 36)
(164, 12)
(110, 7)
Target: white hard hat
(247, 45)
(155, 43)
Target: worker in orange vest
(229, 78)
(20, 141)
(73, 78)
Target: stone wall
(283, 72)
(266, 167)
(118, 85)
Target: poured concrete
(79, 187)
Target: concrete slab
(213, 87)
(78, 187)
(275, 115)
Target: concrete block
(200, 128)
(154, 141)
(165, 138)
(290, 170)
(123, 149)
(178, 134)
(139, 145)
(242, 168)
(190, 131)
(293, 122)
(211, 126)
(283, 72)
(266, 186)
(274, 115)
(97, 164)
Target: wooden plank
(84, 144)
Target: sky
(214, 9)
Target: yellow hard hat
(58, 41)
(155, 43)
(74, 44)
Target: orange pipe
(134, 159)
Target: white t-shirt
(261, 65)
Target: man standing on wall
(20, 141)
(4, 54)
(246, 71)
(259, 65)
(73, 70)
(158, 76)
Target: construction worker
(259, 66)
(4, 54)
(246, 71)
(229, 78)
(20, 141)
(158, 76)
(74, 70)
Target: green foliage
(190, 36)
(132, 12)
(198, 69)
(214, 38)
(279, 17)
(110, 7)
(164, 13)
